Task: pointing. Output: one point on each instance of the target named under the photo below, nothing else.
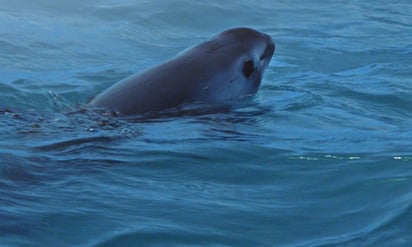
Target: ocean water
(322, 156)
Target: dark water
(321, 157)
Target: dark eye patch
(248, 68)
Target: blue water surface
(322, 156)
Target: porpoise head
(228, 66)
(241, 56)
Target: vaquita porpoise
(230, 65)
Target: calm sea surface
(322, 156)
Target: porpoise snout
(269, 50)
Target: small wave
(14, 168)
(369, 234)
(74, 142)
(291, 98)
(364, 70)
(7, 48)
(17, 97)
(166, 237)
(387, 101)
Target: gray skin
(228, 66)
